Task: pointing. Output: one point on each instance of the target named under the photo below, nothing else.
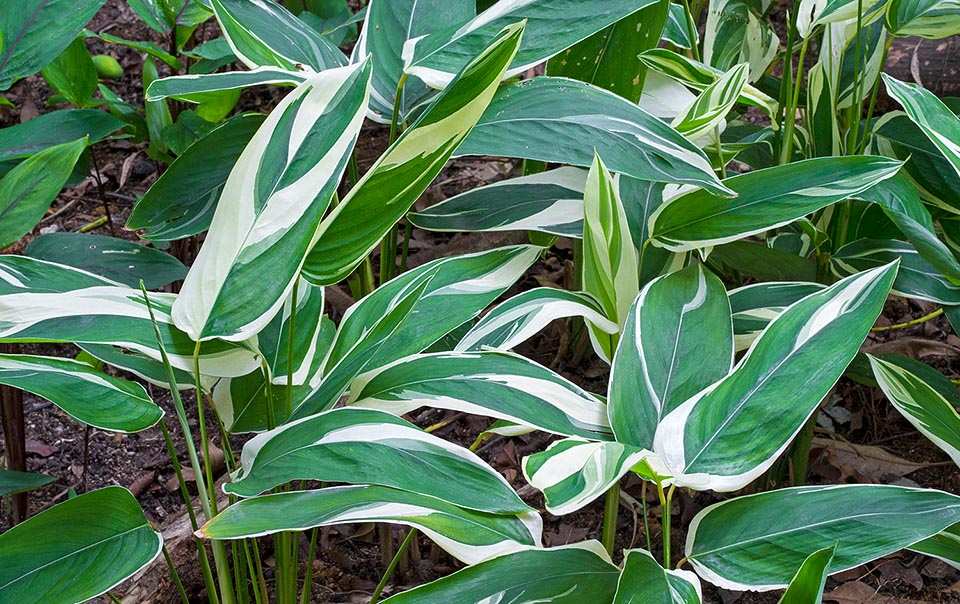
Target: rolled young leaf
(571, 574)
(87, 395)
(553, 25)
(364, 446)
(766, 199)
(728, 434)
(496, 384)
(402, 174)
(759, 541)
(77, 549)
(271, 207)
(565, 121)
(707, 112)
(806, 587)
(921, 405)
(469, 536)
(516, 320)
(678, 339)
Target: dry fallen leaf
(863, 462)
(856, 592)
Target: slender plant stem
(646, 515)
(175, 575)
(239, 572)
(251, 571)
(611, 510)
(786, 82)
(204, 439)
(394, 120)
(800, 456)
(873, 95)
(666, 504)
(393, 565)
(692, 31)
(917, 321)
(407, 233)
(114, 598)
(790, 119)
(179, 471)
(291, 347)
(856, 105)
(261, 579)
(308, 572)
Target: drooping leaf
(678, 339)
(552, 26)
(34, 32)
(565, 121)
(928, 112)
(27, 191)
(55, 128)
(759, 541)
(766, 199)
(496, 384)
(271, 206)
(754, 306)
(110, 257)
(729, 433)
(365, 446)
(182, 201)
(705, 115)
(933, 19)
(77, 549)
(547, 202)
(573, 574)
(399, 177)
(194, 87)
(145, 367)
(12, 482)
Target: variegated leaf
(917, 278)
(754, 306)
(496, 384)
(821, 114)
(188, 86)
(547, 202)
(366, 446)
(766, 199)
(146, 368)
(705, 115)
(699, 76)
(759, 541)
(921, 405)
(519, 318)
(573, 472)
(263, 33)
(610, 262)
(552, 26)
(678, 339)
(731, 432)
(945, 546)
(928, 112)
(467, 535)
(569, 122)
(737, 33)
(412, 312)
(820, 12)
(932, 19)
(644, 581)
(87, 395)
(399, 177)
(45, 302)
(388, 25)
(271, 206)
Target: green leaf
(644, 581)
(182, 201)
(759, 541)
(77, 549)
(516, 320)
(917, 278)
(13, 482)
(807, 585)
(921, 405)
(573, 472)
(55, 128)
(495, 384)
(151, 48)
(754, 306)
(264, 34)
(194, 88)
(46, 302)
(608, 58)
(35, 32)
(157, 115)
(468, 535)
(546, 202)
(732, 431)
(144, 367)
(933, 19)
(704, 116)
(765, 263)
(72, 74)
(388, 25)
(572, 574)
(552, 26)
(28, 190)
(610, 262)
(677, 30)
(365, 446)
(89, 396)
(928, 112)
(945, 546)
(766, 199)
(271, 206)
(565, 121)
(113, 258)
(678, 339)
(402, 174)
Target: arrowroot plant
(714, 380)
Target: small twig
(912, 323)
